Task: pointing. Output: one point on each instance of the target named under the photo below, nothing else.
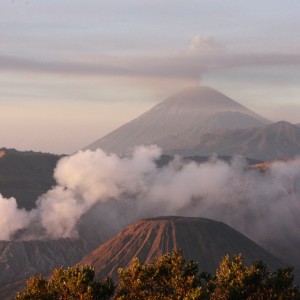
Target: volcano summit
(189, 113)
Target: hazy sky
(71, 71)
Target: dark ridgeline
(26, 175)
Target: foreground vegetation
(168, 277)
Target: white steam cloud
(263, 205)
(11, 218)
(90, 177)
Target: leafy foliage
(169, 277)
(234, 280)
(72, 283)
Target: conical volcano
(189, 108)
(203, 240)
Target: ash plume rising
(118, 190)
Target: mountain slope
(203, 240)
(188, 108)
(219, 121)
(22, 259)
(274, 141)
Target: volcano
(203, 240)
(195, 109)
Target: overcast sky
(71, 71)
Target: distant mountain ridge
(277, 140)
(190, 108)
(202, 121)
(25, 175)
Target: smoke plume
(11, 218)
(114, 191)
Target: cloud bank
(204, 53)
(95, 185)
